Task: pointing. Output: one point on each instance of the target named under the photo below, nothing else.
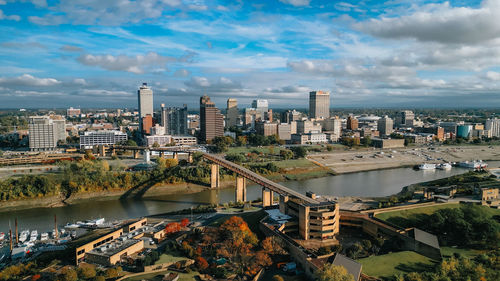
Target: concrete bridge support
(175, 156)
(190, 157)
(267, 197)
(137, 154)
(102, 150)
(214, 176)
(241, 189)
(283, 200)
(113, 151)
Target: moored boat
(426, 166)
(444, 166)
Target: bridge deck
(258, 179)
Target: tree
(278, 278)
(99, 278)
(130, 142)
(86, 271)
(241, 141)
(156, 145)
(68, 274)
(286, 154)
(331, 272)
(184, 222)
(222, 143)
(299, 152)
(201, 263)
(263, 259)
(111, 273)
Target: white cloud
(135, 64)
(296, 3)
(492, 75)
(28, 80)
(440, 23)
(11, 17)
(80, 81)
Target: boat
(34, 235)
(426, 166)
(444, 166)
(479, 164)
(2, 236)
(44, 236)
(24, 236)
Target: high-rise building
(290, 115)
(493, 125)
(319, 104)
(352, 123)
(211, 120)
(251, 116)
(266, 128)
(385, 126)
(164, 117)
(46, 131)
(174, 120)
(146, 124)
(231, 113)
(307, 126)
(145, 96)
(405, 118)
(260, 105)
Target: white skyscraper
(260, 105)
(145, 95)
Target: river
(367, 184)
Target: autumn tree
(68, 274)
(201, 263)
(263, 259)
(86, 271)
(331, 272)
(184, 222)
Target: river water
(367, 184)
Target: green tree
(331, 272)
(68, 274)
(299, 152)
(86, 271)
(286, 154)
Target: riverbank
(361, 160)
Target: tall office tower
(177, 121)
(211, 120)
(405, 118)
(319, 104)
(493, 125)
(385, 126)
(231, 113)
(290, 116)
(352, 123)
(260, 105)
(45, 132)
(164, 117)
(145, 95)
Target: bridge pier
(137, 154)
(241, 189)
(175, 156)
(190, 157)
(214, 176)
(102, 150)
(283, 200)
(113, 151)
(161, 153)
(267, 197)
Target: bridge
(243, 174)
(40, 159)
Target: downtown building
(145, 101)
(45, 132)
(405, 118)
(175, 120)
(385, 126)
(232, 113)
(211, 120)
(493, 125)
(91, 139)
(319, 105)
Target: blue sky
(397, 53)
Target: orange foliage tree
(201, 263)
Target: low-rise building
(309, 138)
(91, 139)
(184, 140)
(266, 128)
(388, 143)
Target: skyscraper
(145, 95)
(231, 112)
(385, 126)
(45, 132)
(177, 121)
(211, 120)
(260, 105)
(319, 104)
(405, 118)
(493, 125)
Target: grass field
(395, 263)
(172, 257)
(429, 210)
(469, 253)
(159, 276)
(243, 149)
(423, 210)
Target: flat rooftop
(278, 216)
(114, 247)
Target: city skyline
(406, 54)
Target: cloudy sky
(398, 53)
